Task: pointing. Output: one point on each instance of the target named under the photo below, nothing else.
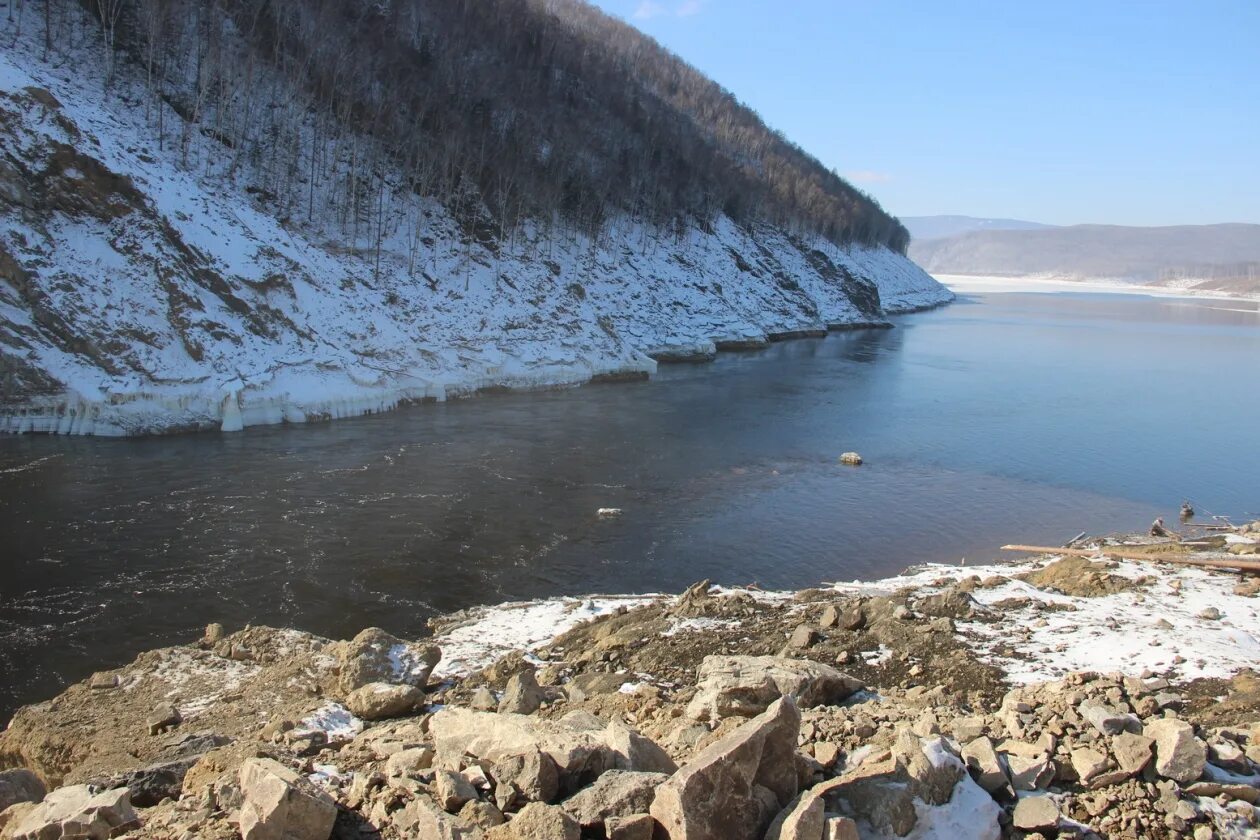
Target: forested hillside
(247, 211)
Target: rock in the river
(617, 793)
(523, 695)
(1036, 813)
(281, 805)
(851, 459)
(381, 700)
(747, 685)
(714, 796)
(1179, 755)
(375, 656)
(20, 785)
(75, 812)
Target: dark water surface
(1004, 417)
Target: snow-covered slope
(140, 295)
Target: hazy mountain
(214, 215)
(1224, 257)
(935, 227)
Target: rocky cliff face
(138, 295)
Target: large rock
(451, 791)
(1132, 752)
(421, 818)
(528, 777)
(20, 785)
(1179, 755)
(75, 813)
(714, 796)
(932, 765)
(523, 695)
(1036, 813)
(617, 793)
(381, 700)
(281, 805)
(747, 685)
(537, 821)
(581, 754)
(633, 827)
(986, 767)
(375, 656)
(1108, 720)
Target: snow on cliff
(138, 295)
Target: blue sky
(1065, 112)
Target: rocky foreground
(943, 704)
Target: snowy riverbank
(149, 296)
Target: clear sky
(1110, 111)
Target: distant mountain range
(938, 227)
(1223, 257)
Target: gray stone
(747, 685)
(74, 812)
(379, 700)
(617, 793)
(281, 805)
(409, 761)
(1036, 813)
(1107, 720)
(1030, 773)
(1179, 755)
(20, 785)
(714, 797)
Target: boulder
(985, 767)
(531, 776)
(523, 695)
(1107, 720)
(375, 656)
(484, 815)
(633, 827)
(281, 805)
(1179, 755)
(1030, 773)
(409, 761)
(617, 793)
(20, 785)
(580, 754)
(877, 791)
(537, 821)
(75, 812)
(803, 637)
(714, 796)
(451, 791)
(152, 783)
(380, 700)
(1088, 763)
(747, 685)
(1132, 752)
(633, 751)
(1036, 813)
(421, 818)
(163, 717)
(840, 828)
(933, 767)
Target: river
(1003, 417)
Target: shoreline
(981, 283)
(75, 417)
(991, 667)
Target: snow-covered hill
(142, 295)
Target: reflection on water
(1001, 418)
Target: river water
(1001, 418)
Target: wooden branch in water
(1204, 562)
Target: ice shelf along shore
(155, 298)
